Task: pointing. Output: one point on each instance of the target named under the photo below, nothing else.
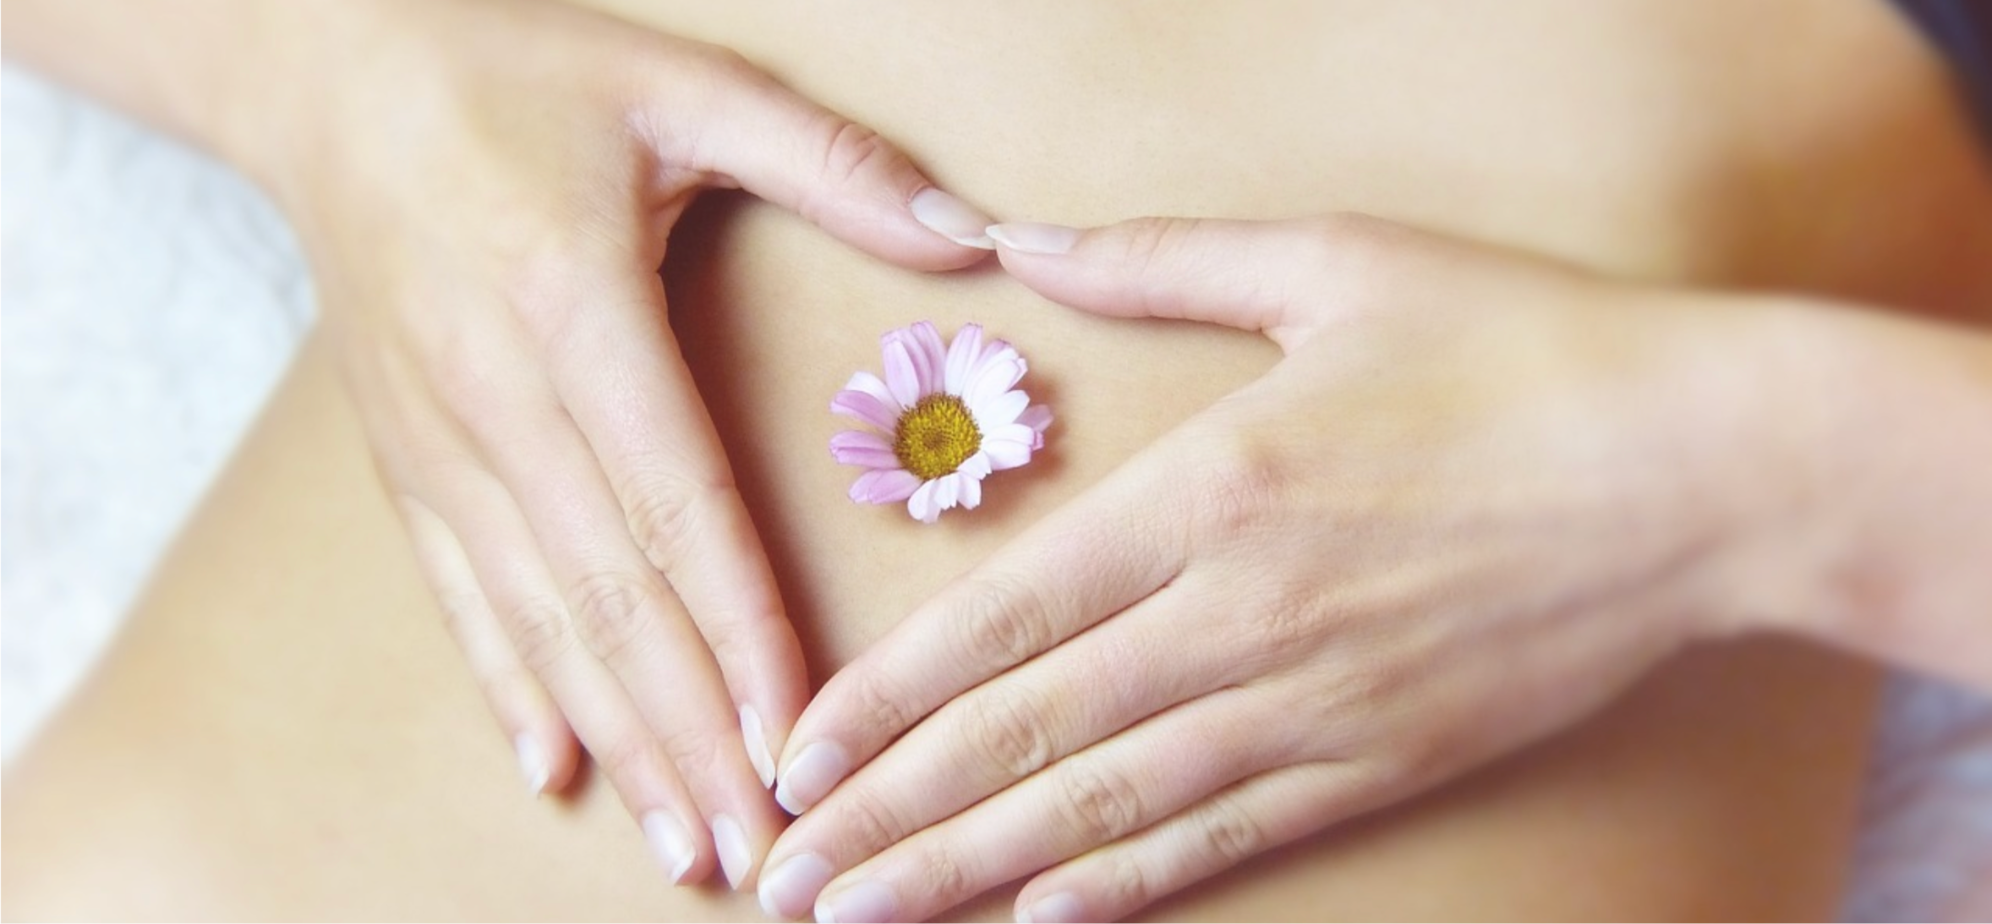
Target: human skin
(529, 409)
(1680, 798)
(1480, 495)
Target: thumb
(1282, 278)
(840, 175)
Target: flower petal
(1036, 417)
(862, 447)
(870, 384)
(931, 357)
(975, 467)
(971, 492)
(901, 376)
(884, 486)
(1007, 453)
(947, 490)
(921, 504)
(994, 378)
(962, 354)
(865, 407)
(999, 410)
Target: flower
(944, 418)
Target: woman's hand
(486, 190)
(1477, 498)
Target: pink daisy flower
(943, 419)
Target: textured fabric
(151, 299)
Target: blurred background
(150, 299)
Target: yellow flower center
(935, 437)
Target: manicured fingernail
(671, 843)
(789, 889)
(1033, 237)
(816, 770)
(532, 762)
(1056, 908)
(951, 218)
(757, 746)
(869, 900)
(735, 858)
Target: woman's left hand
(1479, 496)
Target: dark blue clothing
(1962, 31)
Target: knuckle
(663, 516)
(1242, 481)
(1008, 730)
(865, 822)
(609, 613)
(853, 151)
(460, 610)
(1123, 882)
(1099, 805)
(1004, 623)
(1147, 243)
(539, 632)
(1230, 836)
(946, 875)
(879, 705)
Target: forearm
(221, 74)
(1903, 431)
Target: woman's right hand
(485, 191)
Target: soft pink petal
(975, 467)
(962, 353)
(1000, 410)
(971, 492)
(931, 357)
(1036, 417)
(871, 385)
(862, 447)
(866, 408)
(921, 504)
(1006, 454)
(992, 350)
(993, 379)
(884, 486)
(900, 374)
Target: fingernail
(532, 762)
(816, 770)
(951, 218)
(1056, 908)
(788, 891)
(1033, 237)
(867, 901)
(734, 856)
(670, 842)
(757, 746)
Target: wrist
(1760, 405)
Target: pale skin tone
(1481, 494)
(1778, 591)
(601, 576)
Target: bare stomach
(285, 729)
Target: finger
(541, 737)
(619, 373)
(838, 174)
(1092, 798)
(1279, 277)
(1124, 670)
(514, 578)
(1242, 822)
(624, 614)
(1091, 559)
